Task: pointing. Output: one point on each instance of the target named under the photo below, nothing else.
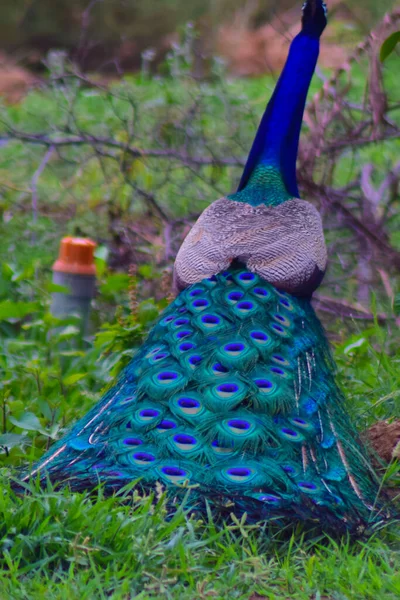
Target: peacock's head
(314, 17)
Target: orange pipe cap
(76, 256)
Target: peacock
(231, 401)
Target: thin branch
(345, 310)
(334, 199)
(35, 180)
(358, 142)
(47, 139)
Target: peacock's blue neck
(270, 173)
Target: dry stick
(388, 22)
(90, 140)
(345, 310)
(34, 184)
(198, 161)
(387, 285)
(334, 199)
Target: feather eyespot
(186, 346)
(234, 347)
(259, 336)
(221, 449)
(160, 356)
(190, 407)
(188, 403)
(173, 471)
(261, 292)
(127, 400)
(228, 388)
(247, 277)
(210, 320)
(144, 457)
(289, 469)
(174, 474)
(149, 413)
(239, 474)
(195, 360)
(290, 432)
(115, 473)
(168, 320)
(185, 440)
(269, 498)
(283, 321)
(299, 421)
(278, 371)
(166, 425)
(279, 358)
(195, 292)
(200, 303)
(219, 369)
(285, 303)
(278, 328)
(239, 471)
(167, 376)
(245, 306)
(133, 442)
(239, 425)
(235, 296)
(307, 486)
(182, 334)
(180, 322)
(263, 384)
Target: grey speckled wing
(283, 244)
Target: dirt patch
(262, 50)
(384, 438)
(15, 82)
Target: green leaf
(101, 256)
(389, 45)
(55, 287)
(74, 378)
(147, 271)
(7, 271)
(116, 282)
(357, 344)
(28, 421)
(9, 440)
(396, 305)
(68, 332)
(147, 312)
(16, 310)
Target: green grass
(68, 546)
(64, 545)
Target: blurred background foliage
(98, 32)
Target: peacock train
(232, 397)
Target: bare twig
(35, 180)
(47, 139)
(345, 310)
